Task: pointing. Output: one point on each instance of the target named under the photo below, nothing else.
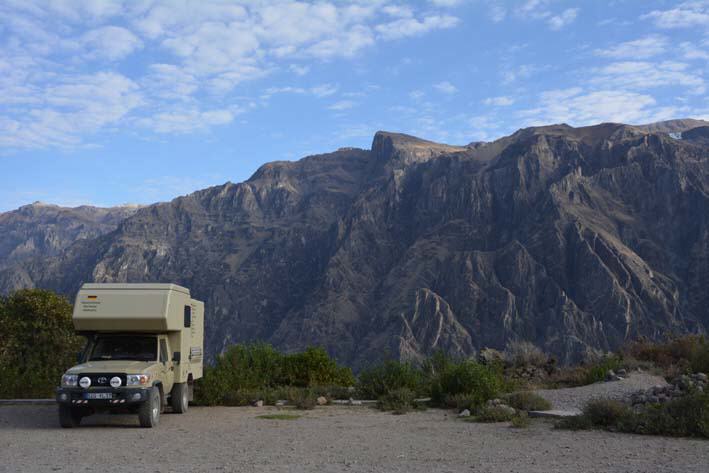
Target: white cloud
(579, 107)
(446, 3)
(647, 75)
(685, 15)
(414, 27)
(445, 87)
(642, 48)
(298, 69)
(563, 19)
(501, 101)
(74, 106)
(342, 105)
(187, 120)
(110, 43)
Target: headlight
(85, 382)
(137, 379)
(70, 380)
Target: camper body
(144, 351)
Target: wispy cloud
(563, 19)
(502, 101)
(197, 54)
(642, 48)
(445, 87)
(685, 15)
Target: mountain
(44, 230)
(576, 239)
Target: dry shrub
(524, 354)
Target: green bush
(37, 343)
(399, 400)
(597, 371)
(387, 377)
(527, 401)
(687, 416)
(495, 414)
(520, 421)
(475, 381)
(302, 398)
(249, 369)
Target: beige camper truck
(144, 352)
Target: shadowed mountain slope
(576, 239)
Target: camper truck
(144, 352)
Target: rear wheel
(68, 417)
(149, 411)
(179, 398)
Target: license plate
(98, 395)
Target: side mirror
(176, 357)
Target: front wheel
(68, 417)
(179, 398)
(149, 411)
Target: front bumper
(118, 396)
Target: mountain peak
(399, 149)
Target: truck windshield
(125, 348)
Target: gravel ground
(328, 439)
(573, 399)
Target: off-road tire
(149, 411)
(179, 398)
(69, 417)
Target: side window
(163, 351)
(188, 316)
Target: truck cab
(143, 352)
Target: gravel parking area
(573, 399)
(328, 439)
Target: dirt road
(329, 439)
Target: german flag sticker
(92, 297)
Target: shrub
(524, 354)
(597, 371)
(389, 376)
(245, 371)
(495, 414)
(399, 400)
(676, 355)
(476, 382)
(686, 416)
(37, 343)
(605, 412)
(527, 401)
(520, 421)
(302, 398)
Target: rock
(363, 224)
(322, 400)
(488, 356)
(280, 403)
(622, 372)
(464, 413)
(653, 399)
(611, 376)
(702, 377)
(354, 402)
(258, 403)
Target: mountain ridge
(577, 239)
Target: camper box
(146, 308)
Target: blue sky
(109, 102)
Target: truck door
(167, 368)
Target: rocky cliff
(576, 239)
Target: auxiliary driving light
(115, 382)
(85, 382)
(63, 397)
(136, 397)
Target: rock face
(43, 230)
(576, 239)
